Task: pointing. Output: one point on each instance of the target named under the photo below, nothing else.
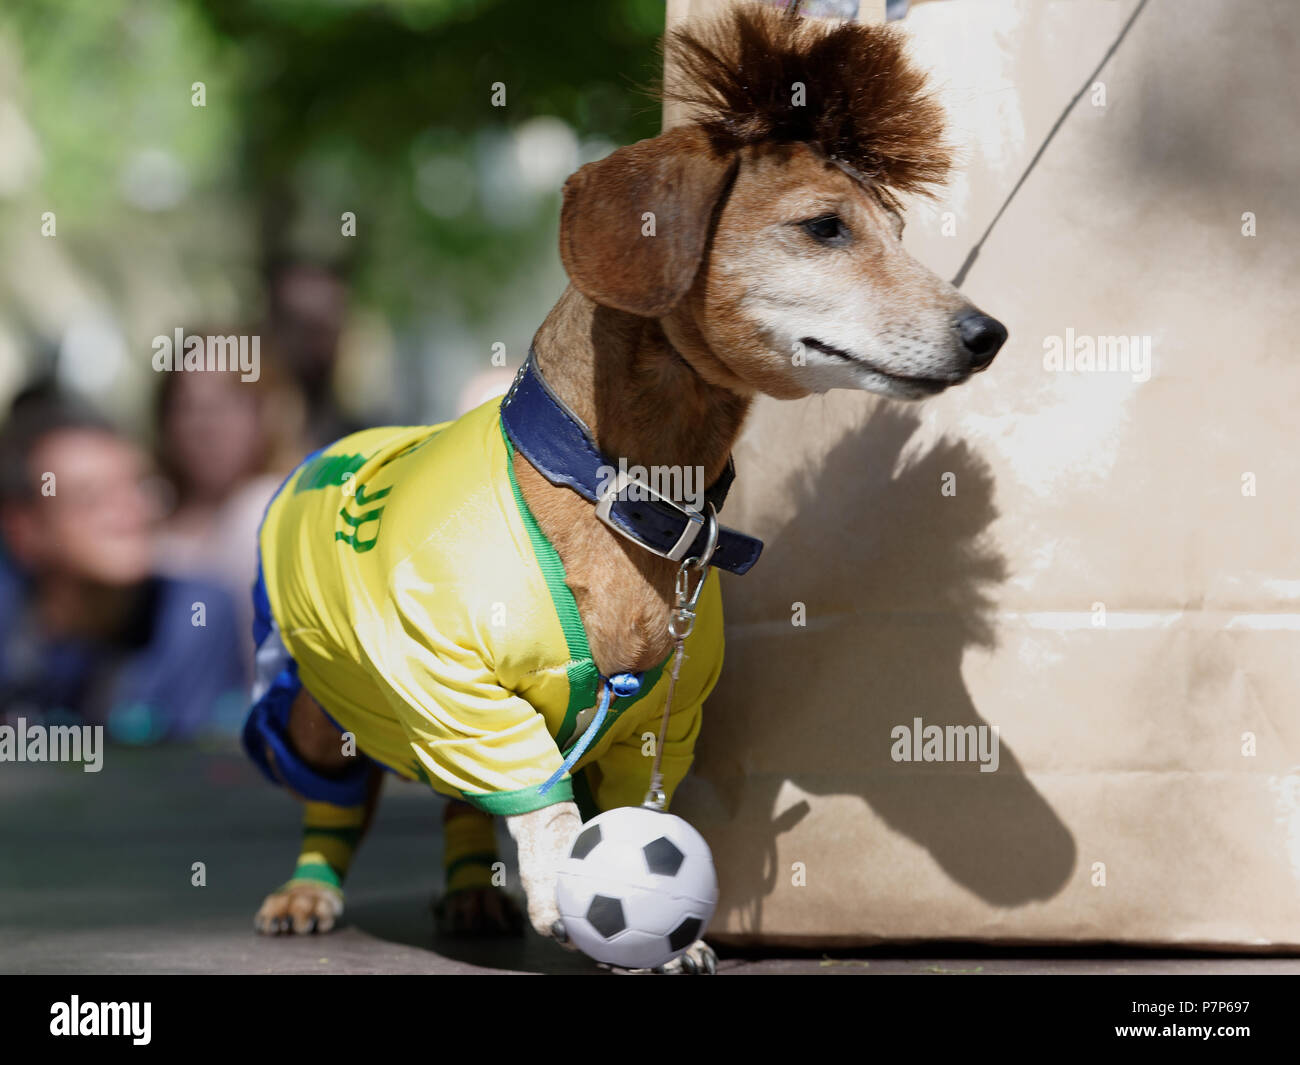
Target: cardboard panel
(1111, 578)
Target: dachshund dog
(441, 603)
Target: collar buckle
(696, 520)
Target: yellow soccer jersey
(428, 614)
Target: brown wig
(865, 104)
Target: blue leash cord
(619, 684)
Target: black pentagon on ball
(685, 933)
(605, 915)
(663, 857)
(586, 840)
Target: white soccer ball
(637, 889)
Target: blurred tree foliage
(318, 107)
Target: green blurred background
(170, 214)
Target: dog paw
(544, 838)
(300, 907)
(696, 960)
(478, 912)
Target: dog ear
(634, 225)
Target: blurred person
(224, 445)
(89, 633)
(482, 386)
(307, 310)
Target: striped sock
(330, 835)
(469, 847)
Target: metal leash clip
(682, 619)
(681, 622)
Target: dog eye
(828, 229)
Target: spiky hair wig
(863, 103)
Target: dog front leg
(544, 838)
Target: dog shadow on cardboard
(895, 577)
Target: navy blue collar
(560, 446)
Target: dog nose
(981, 336)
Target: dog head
(765, 234)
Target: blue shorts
(275, 686)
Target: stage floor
(96, 878)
